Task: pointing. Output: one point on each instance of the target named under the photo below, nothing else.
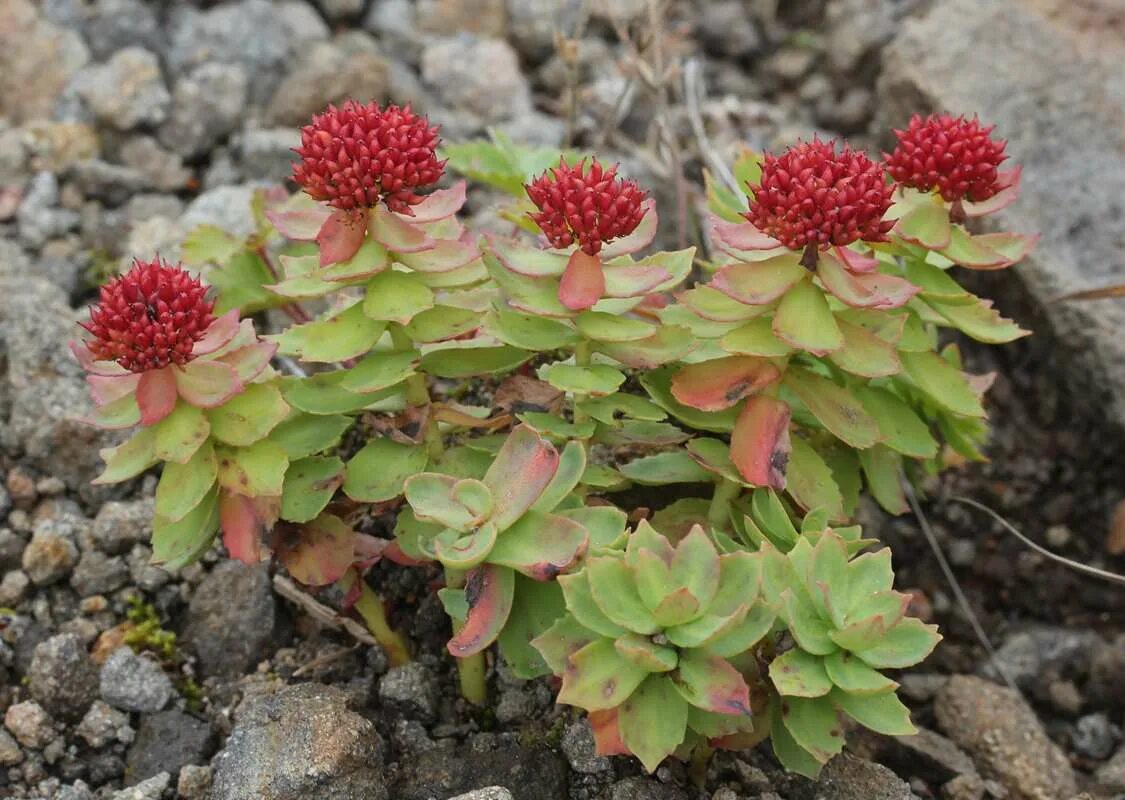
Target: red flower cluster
(591, 207)
(359, 155)
(149, 317)
(812, 197)
(956, 156)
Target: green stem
(718, 514)
(471, 669)
(370, 608)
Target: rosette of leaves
(656, 644)
(847, 624)
(512, 531)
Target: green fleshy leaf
(604, 524)
(755, 338)
(307, 434)
(182, 487)
(806, 625)
(540, 545)
(377, 472)
(652, 722)
(209, 244)
(804, 321)
(254, 471)
(337, 337)
(561, 640)
(249, 416)
(394, 296)
(747, 633)
(695, 567)
(668, 344)
(580, 602)
(379, 371)
(181, 433)
(836, 408)
(309, 486)
(598, 677)
(604, 478)
(658, 384)
(241, 284)
(712, 304)
(454, 602)
(905, 432)
(800, 674)
(714, 456)
(646, 654)
(556, 427)
(322, 394)
(673, 466)
(740, 579)
(809, 481)
(467, 551)
(854, 677)
(536, 607)
(882, 713)
(905, 645)
(528, 331)
(572, 463)
(864, 353)
(926, 224)
(868, 575)
(465, 362)
(596, 380)
(980, 321)
(942, 382)
(441, 323)
(599, 326)
(711, 683)
(175, 544)
(611, 409)
(791, 755)
(882, 467)
(814, 725)
(120, 414)
(770, 515)
(128, 459)
(615, 593)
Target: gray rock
(267, 153)
(967, 787)
(207, 104)
(104, 724)
(1004, 737)
(856, 29)
(1107, 673)
(164, 171)
(151, 789)
(645, 789)
(10, 753)
(453, 17)
(394, 22)
(1034, 657)
(13, 587)
(926, 755)
(578, 747)
(39, 217)
(115, 24)
(233, 621)
(133, 683)
(847, 777)
(62, 678)
(49, 556)
(119, 525)
(726, 29)
(167, 742)
(493, 90)
(301, 22)
(1111, 774)
(45, 385)
(533, 24)
(246, 32)
(227, 206)
(194, 782)
(490, 793)
(147, 576)
(37, 60)
(11, 548)
(1052, 86)
(1095, 736)
(127, 91)
(299, 742)
(340, 10)
(111, 183)
(78, 790)
(98, 573)
(30, 724)
(412, 689)
(348, 67)
(528, 773)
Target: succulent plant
(651, 641)
(847, 623)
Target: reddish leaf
(872, 290)
(641, 236)
(206, 384)
(521, 471)
(607, 734)
(439, 205)
(341, 236)
(300, 225)
(855, 261)
(759, 445)
(86, 359)
(395, 233)
(489, 591)
(759, 282)
(1010, 180)
(156, 395)
(712, 684)
(245, 522)
(319, 552)
(218, 335)
(722, 382)
(583, 281)
(107, 388)
(741, 236)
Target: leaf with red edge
(341, 235)
(317, 553)
(206, 384)
(532, 262)
(1013, 246)
(489, 591)
(872, 290)
(805, 322)
(1010, 180)
(156, 395)
(759, 445)
(540, 545)
(445, 256)
(926, 224)
(669, 343)
(864, 353)
(218, 334)
(711, 683)
(641, 236)
(856, 261)
(105, 389)
(597, 677)
(583, 281)
(300, 224)
(741, 236)
(438, 204)
(722, 382)
(607, 734)
(251, 361)
(969, 251)
(396, 234)
(759, 282)
(245, 522)
(634, 280)
(836, 408)
(520, 473)
(116, 415)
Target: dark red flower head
(811, 195)
(591, 207)
(954, 155)
(149, 317)
(358, 155)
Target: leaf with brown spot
(759, 446)
(317, 553)
(489, 591)
(722, 382)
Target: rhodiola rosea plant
(484, 400)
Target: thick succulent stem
(718, 514)
(471, 670)
(371, 610)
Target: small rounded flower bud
(149, 317)
(954, 155)
(591, 207)
(357, 156)
(811, 197)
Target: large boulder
(1048, 74)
